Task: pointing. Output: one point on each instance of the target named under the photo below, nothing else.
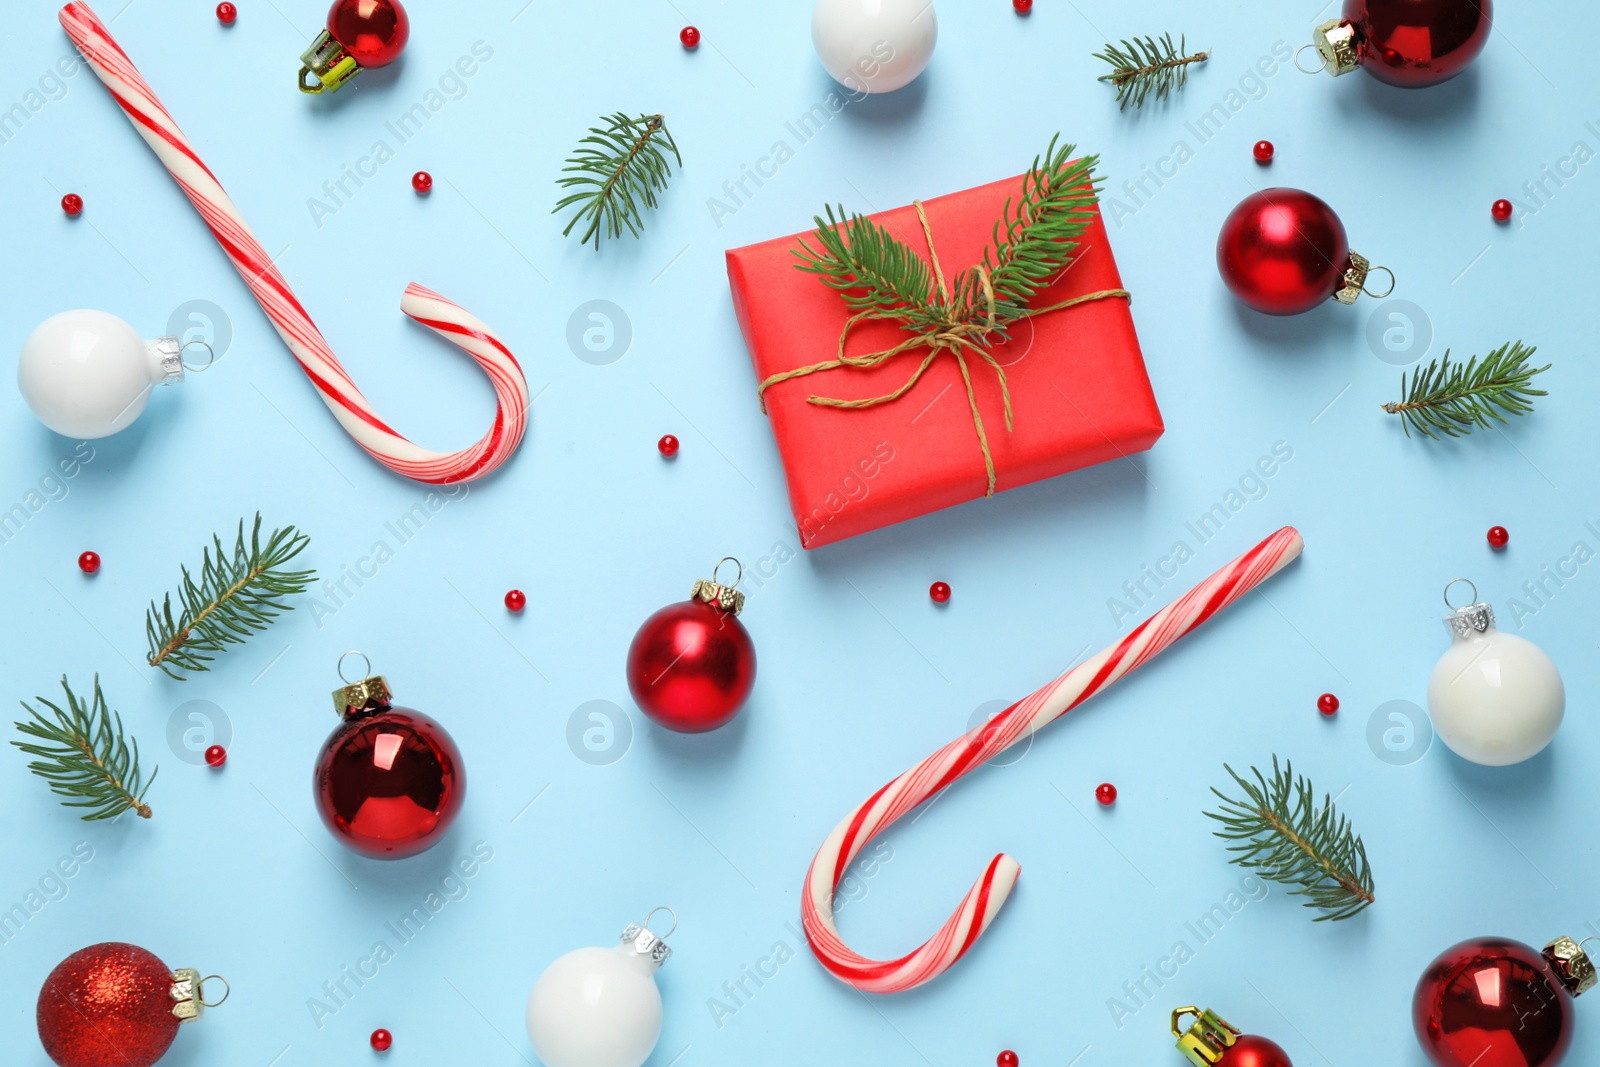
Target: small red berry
(381, 1040)
(1499, 537)
(690, 37)
(227, 13)
(516, 600)
(1009, 1058)
(216, 756)
(1264, 151)
(940, 592)
(422, 182)
(668, 446)
(1106, 794)
(1023, 7)
(89, 562)
(72, 204)
(1502, 210)
(1328, 704)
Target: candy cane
(338, 390)
(981, 744)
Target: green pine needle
(1285, 837)
(617, 171)
(1454, 399)
(1033, 242)
(238, 594)
(85, 757)
(1144, 66)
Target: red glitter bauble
(1418, 43)
(691, 666)
(389, 782)
(1252, 1051)
(108, 1005)
(1283, 251)
(373, 31)
(1492, 1002)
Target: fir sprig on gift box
(1145, 67)
(1455, 399)
(1285, 837)
(84, 756)
(617, 171)
(238, 594)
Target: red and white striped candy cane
(107, 59)
(982, 744)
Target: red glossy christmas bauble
(1251, 1051)
(1417, 43)
(389, 782)
(373, 31)
(1492, 1002)
(691, 666)
(1283, 251)
(108, 1005)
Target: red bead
(1502, 210)
(515, 600)
(108, 1003)
(72, 204)
(381, 1040)
(227, 13)
(216, 756)
(1022, 7)
(374, 32)
(940, 592)
(668, 446)
(1417, 43)
(1492, 1002)
(389, 782)
(422, 182)
(1283, 252)
(1328, 704)
(690, 37)
(691, 666)
(89, 562)
(1499, 536)
(1264, 151)
(1106, 793)
(1009, 1058)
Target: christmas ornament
(84, 756)
(874, 46)
(1453, 400)
(72, 204)
(88, 374)
(216, 756)
(332, 382)
(237, 595)
(1283, 252)
(1212, 1042)
(975, 748)
(516, 600)
(381, 1040)
(360, 34)
(116, 1005)
(1501, 210)
(939, 592)
(1494, 1002)
(1409, 43)
(692, 664)
(1145, 67)
(1282, 835)
(389, 781)
(1264, 151)
(422, 183)
(1328, 704)
(1494, 698)
(1106, 794)
(1499, 537)
(668, 446)
(615, 173)
(600, 1007)
(89, 562)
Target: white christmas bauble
(87, 374)
(874, 46)
(1495, 698)
(599, 1007)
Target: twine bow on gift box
(881, 278)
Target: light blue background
(860, 674)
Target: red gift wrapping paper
(1079, 389)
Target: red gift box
(1079, 390)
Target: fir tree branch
(1288, 839)
(85, 757)
(1455, 399)
(617, 171)
(1145, 66)
(237, 595)
(870, 268)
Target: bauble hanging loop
(1412, 44)
(360, 34)
(1495, 1002)
(692, 665)
(1211, 1041)
(1284, 252)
